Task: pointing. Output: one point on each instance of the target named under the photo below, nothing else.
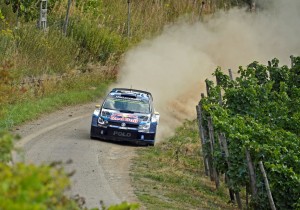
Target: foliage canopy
(260, 113)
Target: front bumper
(116, 134)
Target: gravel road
(102, 168)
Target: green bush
(33, 187)
(99, 43)
(6, 145)
(28, 186)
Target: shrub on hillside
(42, 53)
(97, 43)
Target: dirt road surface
(102, 168)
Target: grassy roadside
(26, 110)
(171, 175)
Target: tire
(91, 135)
(151, 144)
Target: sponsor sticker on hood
(125, 117)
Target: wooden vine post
(67, 18)
(237, 194)
(203, 135)
(212, 142)
(271, 201)
(230, 74)
(249, 164)
(208, 148)
(252, 174)
(225, 147)
(292, 61)
(128, 17)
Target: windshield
(127, 105)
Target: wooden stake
(231, 192)
(238, 200)
(225, 147)
(202, 136)
(212, 142)
(230, 74)
(252, 174)
(220, 93)
(292, 61)
(237, 194)
(207, 88)
(67, 18)
(271, 201)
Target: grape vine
(258, 114)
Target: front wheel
(91, 134)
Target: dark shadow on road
(123, 143)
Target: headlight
(143, 118)
(153, 118)
(101, 121)
(105, 114)
(144, 126)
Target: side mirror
(157, 116)
(97, 106)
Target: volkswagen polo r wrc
(126, 115)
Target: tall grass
(7, 44)
(54, 95)
(147, 17)
(42, 52)
(171, 175)
(97, 31)
(98, 42)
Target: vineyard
(250, 134)
(249, 125)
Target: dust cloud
(174, 65)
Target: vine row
(250, 133)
